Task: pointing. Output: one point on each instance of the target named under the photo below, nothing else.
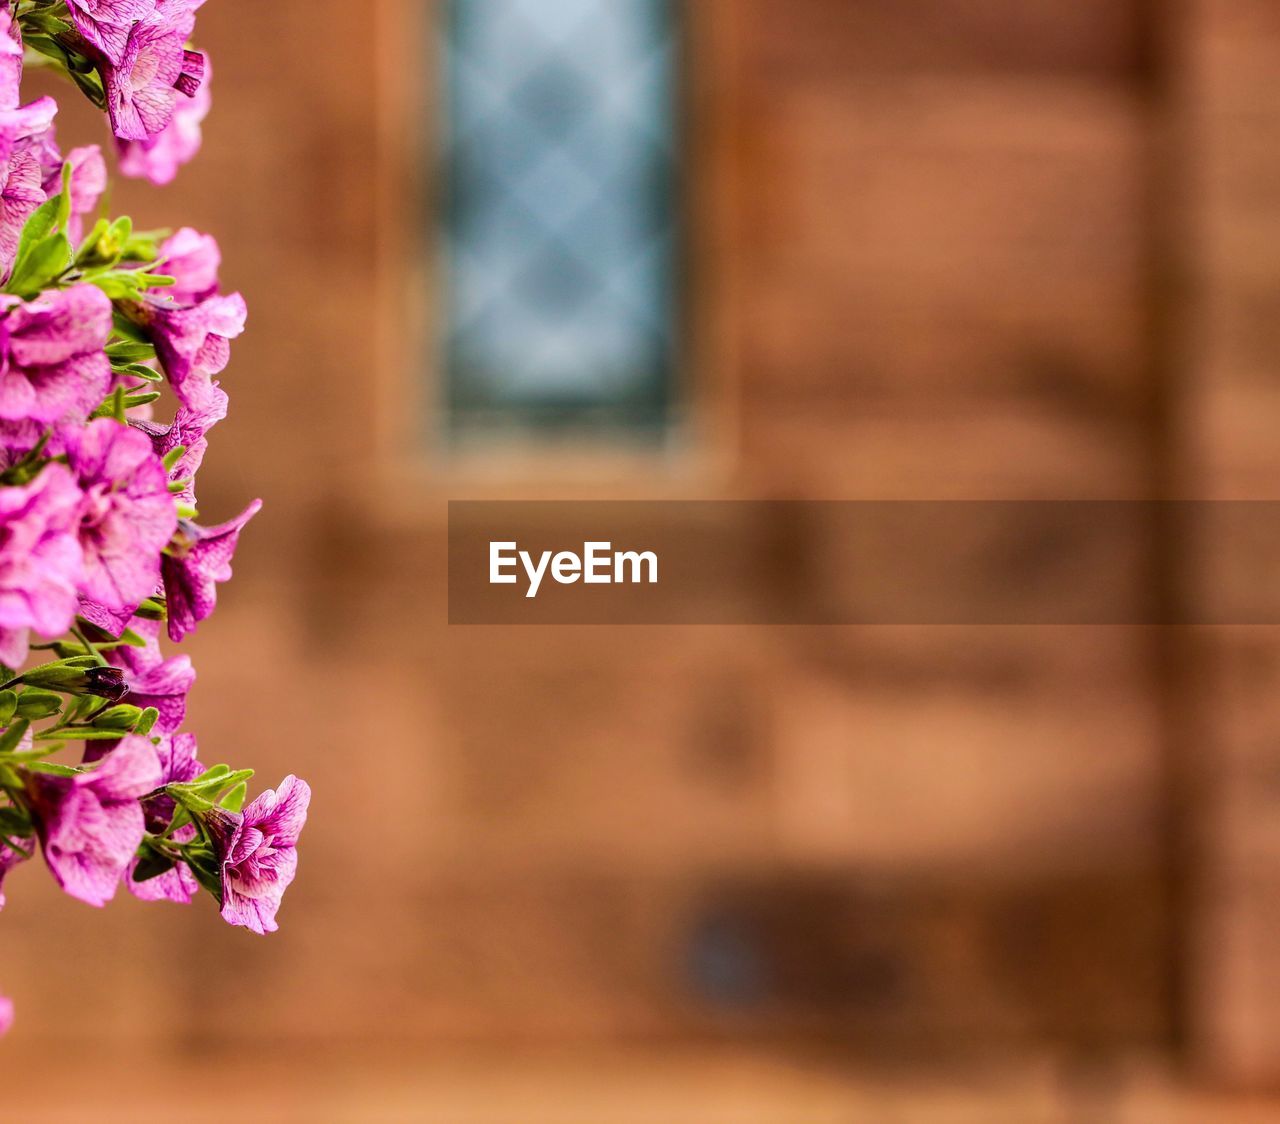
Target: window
(561, 222)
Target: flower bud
(107, 683)
(123, 717)
(72, 677)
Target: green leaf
(79, 707)
(79, 734)
(8, 706)
(123, 717)
(173, 456)
(45, 21)
(121, 231)
(127, 328)
(64, 201)
(151, 863)
(130, 351)
(131, 639)
(91, 245)
(152, 609)
(48, 259)
(203, 793)
(233, 801)
(138, 371)
(37, 228)
(13, 821)
(54, 769)
(144, 245)
(50, 48)
(112, 406)
(12, 737)
(118, 284)
(205, 866)
(34, 703)
(141, 399)
(193, 802)
(88, 81)
(146, 722)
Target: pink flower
(187, 429)
(178, 764)
(21, 194)
(41, 564)
(6, 1014)
(28, 126)
(159, 157)
(154, 680)
(127, 516)
(10, 61)
(199, 558)
(192, 259)
(105, 23)
(193, 343)
(52, 366)
(90, 825)
(141, 85)
(259, 855)
(88, 182)
(10, 858)
(26, 143)
(112, 622)
(194, 66)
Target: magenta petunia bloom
(128, 515)
(154, 680)
(113, 622)
(90, 825)
(259, 857)
(88, 182)
(192, 259)
(141, 85)
(187, 429)
(198, 559)
(18, 438)
(193, 344)
(159, 157)
(178, 764)
(6, 1014)
(10, 61)
(27, 126)
(105, 24)
(8, 860)
(41, 563)
(191, 78)
(21, 194)
(52, 366)
(26, 144)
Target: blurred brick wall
(1232, 349)
(949, 263)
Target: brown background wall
(965, 248)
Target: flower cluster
(131, 58)
(101, 549)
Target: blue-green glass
(561, 232)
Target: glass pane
(561, 224)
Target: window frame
(410, 437)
